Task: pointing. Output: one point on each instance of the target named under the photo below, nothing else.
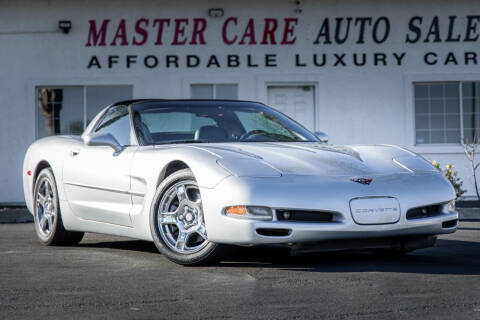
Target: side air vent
(304, 216)
(424, 212)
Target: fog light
(249, 212)
(451, 206)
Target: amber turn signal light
(249, 212)
(240, 210)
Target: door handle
(74, 152)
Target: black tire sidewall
(206, 254)
(46, 173)
(59, 235)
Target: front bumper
(250, 232)
(328, 194)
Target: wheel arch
(42, 164)
(171, 167)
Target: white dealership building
(375, 72)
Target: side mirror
(103, 139)
(322, 136)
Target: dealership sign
(278, 34)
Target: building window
(69, 109)
(471, 110)
(214, 91)
(446, 112)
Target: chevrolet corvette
(197, 176)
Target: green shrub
(452, 176)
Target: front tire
(47, 217)
(177, 222)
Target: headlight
(450, 206)
(249, 212)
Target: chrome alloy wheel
(180, 218)
(45, 207)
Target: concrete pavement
(110, 277)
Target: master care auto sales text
(160, 35)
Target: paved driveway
(111, 277)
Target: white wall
(371, 104)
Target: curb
(22, 215)
(469, 214)
(15, 215)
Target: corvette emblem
(362, 180)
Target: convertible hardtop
(140, 102)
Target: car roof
(143, 103)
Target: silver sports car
(195, 176)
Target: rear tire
(177, 223)
(46, 212)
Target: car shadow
(448, 257)
(453, 257)
(468, 228)
(132, 245)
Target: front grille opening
(449, 224)
(271, 232)
(304, 216)
(424, 212)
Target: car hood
(311, 158)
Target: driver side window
(116, 122)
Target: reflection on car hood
(311, 158)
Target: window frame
(460, 110)
(214, 88)
(48, 84)
(459, 83)
(84, 104)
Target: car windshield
(197, 122)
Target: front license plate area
(380, 210)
